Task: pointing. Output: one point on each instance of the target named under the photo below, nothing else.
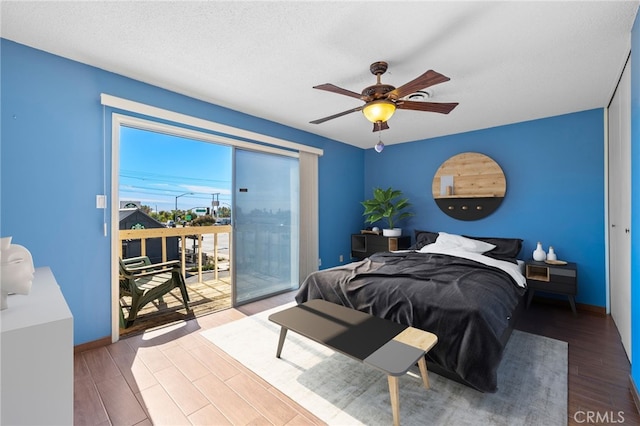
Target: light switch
(101, 201)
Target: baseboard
(592, 309)
(92, 345)
(634, 393)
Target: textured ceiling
(508, 61)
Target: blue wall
(51, 168)
(635, 201)
(555, 188)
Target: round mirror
(469, 186)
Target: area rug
(532, 381)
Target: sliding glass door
(266, 225)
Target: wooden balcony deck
(206, 296)
(209, 291)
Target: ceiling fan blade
(428, 79)
(380, 126)
(339, 90)
(331, 117)
(442, 108)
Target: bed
(466, 290)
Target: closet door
(620, 208)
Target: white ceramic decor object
(539, 254)
(16, 270)
(552, 254)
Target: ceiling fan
(381, 100)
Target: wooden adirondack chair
(145, 282)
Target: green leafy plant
(386, 204)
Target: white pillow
(452, 241)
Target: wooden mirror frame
(469, 186)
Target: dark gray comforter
(467, 304)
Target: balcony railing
(195, 232)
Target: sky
(156, 168)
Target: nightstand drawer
(557, 286)
(557, 272)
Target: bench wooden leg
(395, 399)
(283, 334)
(422, 364)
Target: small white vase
(539, 254)
(395, 232)
(552, 254)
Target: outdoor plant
(386, 204)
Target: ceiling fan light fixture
(379, 111)
(382, 100)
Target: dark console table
(364, 245)
(552, 278)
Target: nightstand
(364, 245)
(551, 278)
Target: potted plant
(389, 205)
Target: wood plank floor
(173, 376)
(598, 366)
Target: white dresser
(36, 346)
